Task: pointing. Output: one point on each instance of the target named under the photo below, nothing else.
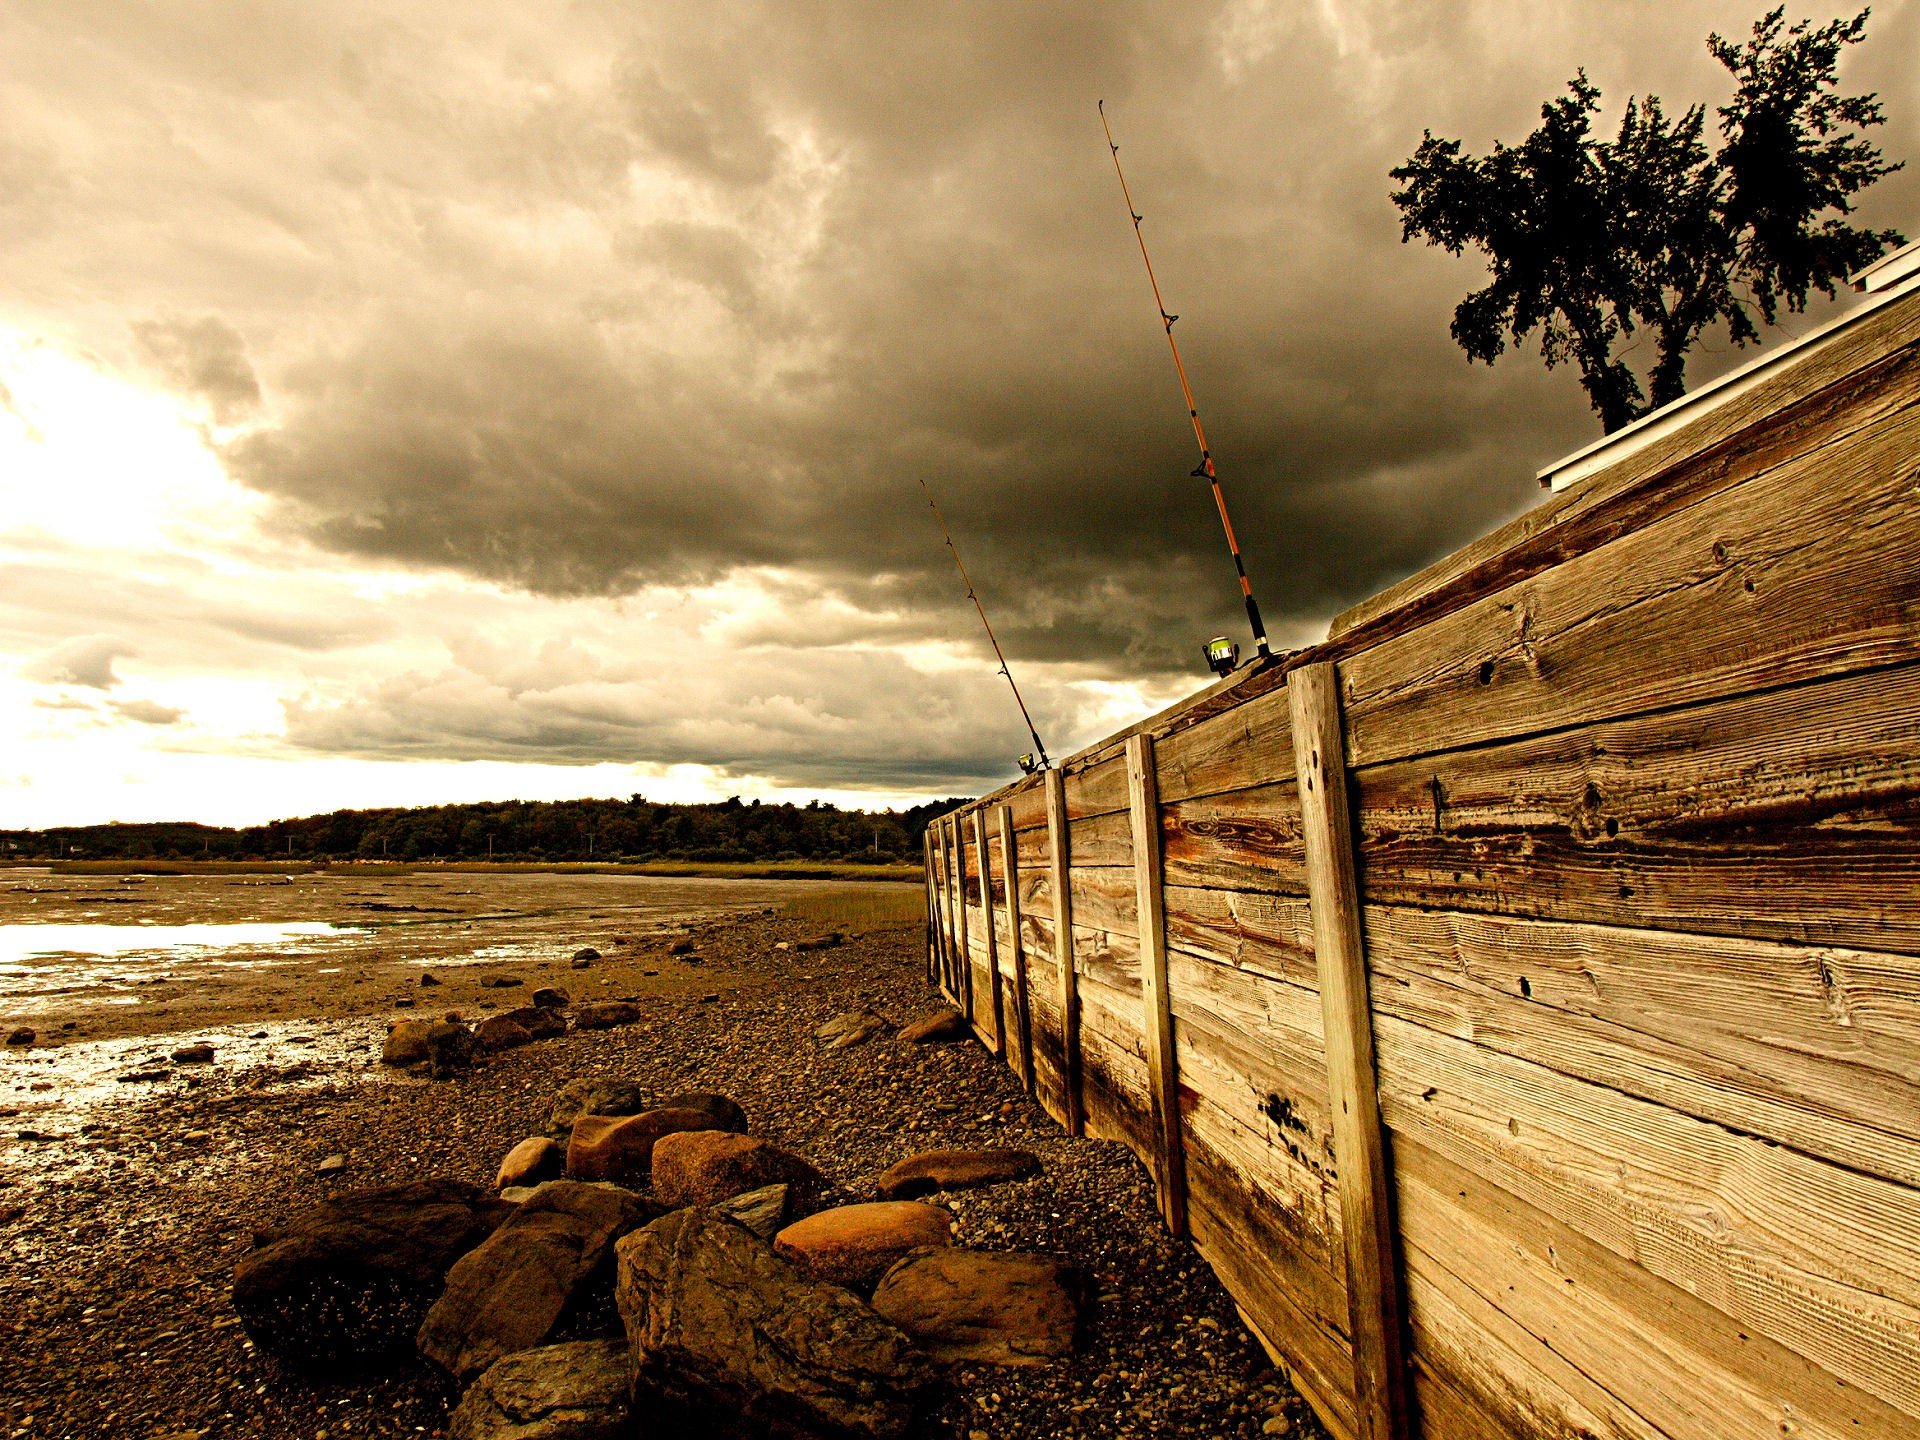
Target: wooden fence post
(963, 973)
(986, 919)
(1059, 857)
(1010, 864)
(943, 918)
(1373, 1287)
(926, 887)
(1143, 794)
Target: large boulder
(986, 1307)
(955, 1170)
(506, 1294)
(937, 1028)
(533, 1160)
(537, 1020)
(730, 1340)
(349, 1281)
(605, 1014)
(855, 1245)
(552, 997)
(703, 1167)
(620, 1147)
(557, 1392)
(594, 1097)
(406, 1043)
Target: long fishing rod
(1000, 655)
(1205, 468)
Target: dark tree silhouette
(1596, 243)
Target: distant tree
(1593, 241)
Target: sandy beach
(130, 1183)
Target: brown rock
(200, 1053)
(856, 1244)
(941, 1026)
(605, 1014)
(680, 947)
(703, 1167)
(450, 1049)
(727, 1114)
(955, 1170)
(406, 1043)
(620, 1147)
(828, 941)
(506, 1294)
(589, 1096)
(856, 1027)
(728, 1339)
(551, 997)
(534, 1159)
(985, 1307)
(537, 1021)
(498, 1032)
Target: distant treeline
(612, 830)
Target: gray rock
(762, 1211)
(349, 1281)
(730, 1340)
(726, 1112)
(557, 1392)
(594, 1097)
(856, 1027)
(506, 1294)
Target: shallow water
(50, 941)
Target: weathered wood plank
(1096, 789)
(1727, 595)
(1818, 1048)
(995, 1008)
(963, 954)
(1382, 1410)
(1822, 1259)
(1790, 814)
(1630, 1344)
(1163, 1077)
(1268, 935)
(1016, 944)
(1836, 390)
(1234, 749)
(1244, 840)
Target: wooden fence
(1569, 899)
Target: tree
(1595, 243)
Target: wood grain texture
(1815, 1047)
(1729, 594)
(1382, 1410)
(1017, 952)
(1823, 1260)
(1788, 814)
(1170, 1173)
(1657, 1361)
(1247, 839)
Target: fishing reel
(1223, 655)
(1029, 764)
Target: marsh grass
(863, 907)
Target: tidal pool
(62, 941)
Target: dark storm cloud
(645, 295)
(205, 357)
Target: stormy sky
(409, 402)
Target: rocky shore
(126, 1219)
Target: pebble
(331, 1164)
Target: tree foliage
(632, 829)
(1659, 234)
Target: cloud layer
(614, 304)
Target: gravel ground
(122, 1225)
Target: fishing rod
(1217, 651)
(1028, 763)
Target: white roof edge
(1608, 449)
(1890, 269)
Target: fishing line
(1204, 470)
(1027, 762)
